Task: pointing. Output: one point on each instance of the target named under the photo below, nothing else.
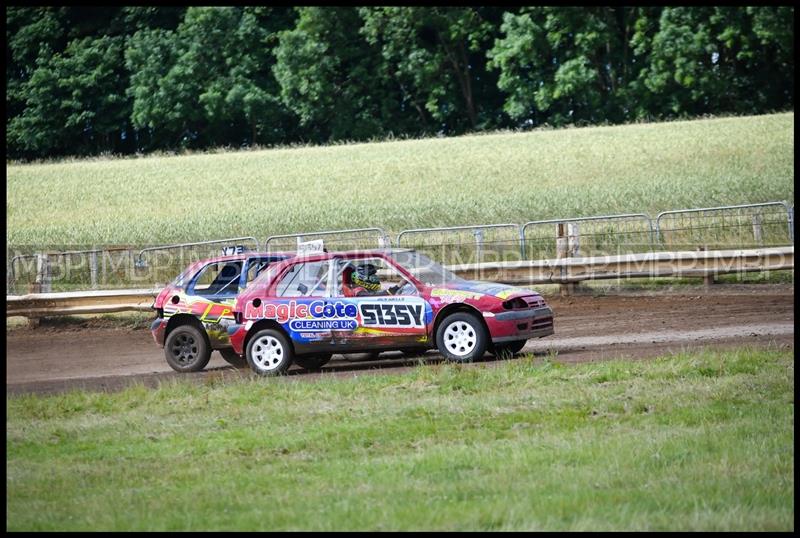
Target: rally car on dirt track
(194, 311)
(306, 308)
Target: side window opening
(370, 276)
(304, 280)
(220, 278)
(255, 268)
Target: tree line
(92, 80)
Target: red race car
(194, 311)
(306, 308)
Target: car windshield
(424, 269)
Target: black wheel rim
(184, 349)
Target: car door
(299, 302)
(210, 297)
(394, 316)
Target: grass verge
(698, 441)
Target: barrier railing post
(759, 239)
(562, 252)
(44, 274)
(93, 268)
(478, 244)
(40, 284)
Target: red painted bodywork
(533, 321)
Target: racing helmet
(365, 276)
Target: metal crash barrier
(759, 225)
(524, 272)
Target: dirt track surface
(587, 329)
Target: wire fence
(112, 267)
(724, 227)
(158, 265)
(742, 226)
(600, 235)
(68, 270)
(465, 244)
(350, 239)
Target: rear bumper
(520, 324)
(158, 329)
(237, 333)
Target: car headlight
(511, 304)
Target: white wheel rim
(460, 338)
(267, 353)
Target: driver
(363, 281)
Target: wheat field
(396, 185)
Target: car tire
(313, 363)
(187, 349)
(233, 358)
(507, 350)
(461, 337)
(269, 353)
(359, 357)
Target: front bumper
(520, 324)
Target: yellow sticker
(506, 293)
(454, 295)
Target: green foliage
(730, 58)
(566, 65)
(208, 82)
(331, 79)
(91, 80)
(74, 99)
(436, 56)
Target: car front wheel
(461, 337)
(269, 353)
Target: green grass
(403, 184)
(694, 441)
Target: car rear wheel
(508, 349)
(269, 353)
(187, 349)
(232, 358)
(313, 362)
(461, 337)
